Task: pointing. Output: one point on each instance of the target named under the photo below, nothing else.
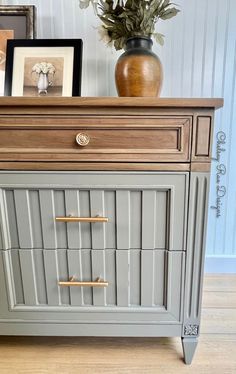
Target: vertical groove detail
(197, 225)
(81, 276)
(202, 241)
(194, 212)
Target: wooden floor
(216, 352)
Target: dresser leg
(189, 346)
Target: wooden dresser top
(111, 102)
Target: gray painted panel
(149, 219)
(85, 211)
(86, 179)
(110, 271)
(60, 211)
(28, 277)
(48, 219)
(175, 283)
(7, 294)
(120, 268)
(96, 314)
(158, 282)
(90, 329)
(52, 277)
(147, 278)
(97, 209)
(199, 233)
(110, 212)
(123, 219)
(161, 227)
(178, 201)
(197, 224)
(159, 277)
(63, 274)
(122, 277)
(11, 216)
(1, 239)
(135, 219)
(86, 314)
(202, 242)
(132, 220)
(36, 224)
(168, 281)
(40, 276)
(98, 271)
(135, 277)
(72, 209)
(75, 270)
(87, 276)
(17, 277)
(23, 215)
(2, 219)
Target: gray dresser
(103, 212)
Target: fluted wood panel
(75, 267)
(198, 199)
(148, 217)
(27, 267)
(199, 58)
(36, 272)
(2, 219)
(1, 241)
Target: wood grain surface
(140, 139)
(120, 130)
(125, 166)
(114, 102)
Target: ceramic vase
(138, 70)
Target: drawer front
(138, 281)
(158, 139)
(144, 210)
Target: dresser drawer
(143, 210)
(133, 139)
(135, 281)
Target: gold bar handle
(72, 282)
(82, 219)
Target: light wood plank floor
(216, 352)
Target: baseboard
(220, 264)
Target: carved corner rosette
(191, 330)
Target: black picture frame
(29, 46)
(21, 19)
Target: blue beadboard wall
(199, 59)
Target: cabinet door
(145, 211)
(142, 285)
(139, 251)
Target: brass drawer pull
(82, 139)
(72, 282)
(82, 219)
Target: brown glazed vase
(138, 70)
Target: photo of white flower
(44, 67)
(43, 76)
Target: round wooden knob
(82, 139)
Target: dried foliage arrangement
(123, 19)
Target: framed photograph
(4, 36)
(43, 67)
(21, 19)
(16, 22)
